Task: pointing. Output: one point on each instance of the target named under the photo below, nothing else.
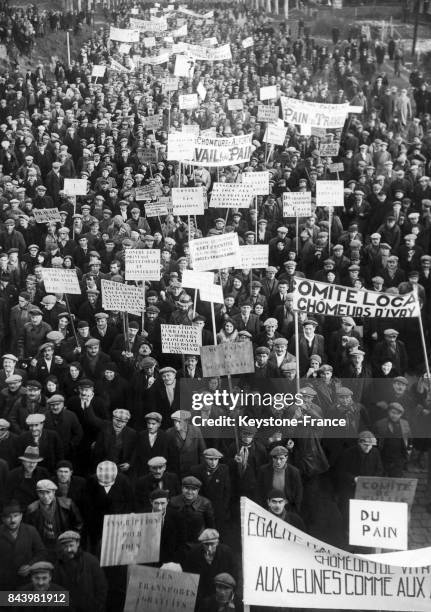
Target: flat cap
(181, 415)
(225, 579)
(390, 332)
(159, 494)
(279, 451)
(69, 536)
(55, 399)
(14, 378)
(212, 453)
(191, 481)
(262, 350)
(396, 406)
(35, 419)
(46, 485)
(401, 379)
(344, 391)
(41, 566)
(155, 416)
(308, 391)
(156, 461)
(209, 535)
(121, 414)
(92, 342)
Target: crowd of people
(93, 419)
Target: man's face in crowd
(70, 549)
(159, 505)
(157, 471)
(12, 520)
(41, 580)
(64, 475)
(190, 493)
(277, 505)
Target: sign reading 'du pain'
(131, 538)
(378, 524)
(227, 358)
(153, 589)
(285, 565)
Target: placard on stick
(46, 215)
(378, 524)
(253, 256)
(181, 339)
(215, 252)
(60, 280)
(153, 590)
(131, 538)
(259, 181)
(142, 264)
(75, 187)
(195, 280)
(297, 204)
(121, 297)
(384, 488)
(329, 193)
(231, 195)
(188, 200)
(227, 358)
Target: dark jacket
(216, 487)
(107, 446)
(147, 484)
(26, 549)
(66, 516)
(85, 581)
(293, 488)
(197, 516)
(223, 561)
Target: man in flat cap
(173, 537)
(282, 475)
(103, 331)
(157, 478)
(93, 360)
(48, 441)
(31, 403)
(309, 343)
(338, 337)
(187, 439)
(33, 334)
(279, 506)
(394, 435)
(224, 597)
(216, 485)
(196, 510)
(390, 349)
(79, 572)
(20, 547)
(166, 393)
(207, 559)
(153, 441)
(51, 515)
(41, 582)
(117, 441)
(65, 423)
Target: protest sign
(146, 192)
(253, 256)
(210, 132)
(149, 42)
(75, 187)
(329, 193)
(268, 93)
(184, 66)
(206, 54)
(188, 200)
(124, 48)
(60, 280)
(231, 195)
(218, 152)
(210, 42)
(247, 42)
(297, 204)
(313, 114)
(235, 104)
(114, 65)
(152, 122)
(126, 36)
(181, 31)
(202, 92)
(180, 146)
(284, 564)
(275, 133)
(378, 524)
(46, 215)
(181, 339)
(155, 60)
(215, 252)
(334, 168)
(339, 301)
(195, 280)
(319, 132)
(211, 293)
(227, 358)
(268, 114)
(131, 538)
(153, 590)
(121, 297)
(165, 201)
(259, 181)
(98, 71)
(142, 264)
(384, 488)
(155, 209)
(188, 101)
(155, 25)
(356, 109)
(329, 149)
(170, 84)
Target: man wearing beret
(216, 485)
(116, 441)
(207, 559)
(195, 510)
(79, 572)
(20, 547)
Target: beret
(276, 494)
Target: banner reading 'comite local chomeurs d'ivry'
(285, 567)
(339, 301)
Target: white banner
(131, 538)
(75, 187)
(156, 25)
(60, 280)
(313, 114)
(339, 301)
(205, 54)
(188, 200)
(142, 264)
(329, 193)
(46, 215)
(155, 60)
(122, 297)
(215, 252)
(218, 152)
(184, 66)
(170, 84)
(121, 35)
(297, 204)
(181, 339)
(283, 565)
(253, 256)
(231, 195)
(259, 181)
(235, 104)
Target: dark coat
(68, 428)
(216, 487)
(75, 491)
(352, 463)
(317, 348)
(197, 516)
(50, 447)
(105, 447)
(195, 563)
(163, 447)
(173, 538)
(67, 516)
(147, 484)
(26, 549)
(85, 581)
(24, 489)
(293, 488)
